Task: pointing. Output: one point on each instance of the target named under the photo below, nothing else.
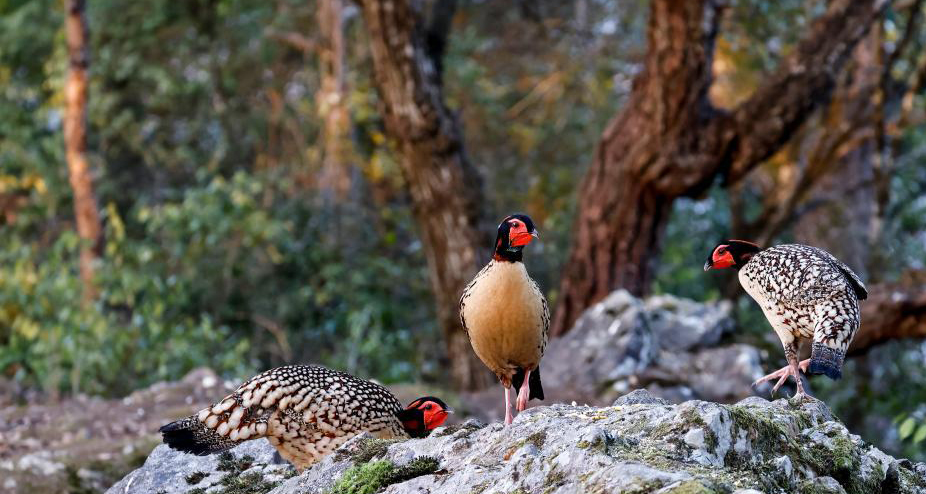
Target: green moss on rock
(228, 462)
(195, 477)
(366, 450)
(466, 429)
(249, 483)
(372, 476)
(537, 439)
(820, 486)
(690, 487)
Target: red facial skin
(518, 234)
(434, 415)
(722, 258)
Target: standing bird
(506, 316)
(804, 292)
(306, 412)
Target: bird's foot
(784, 372)
(799, 398)
(524, 393)
(522, 400)
(508, 417)
(782, 376)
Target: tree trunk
(75, 131)
(670, 142)
(445, 189)
(331, 101)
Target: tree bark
(670, 142)
(445, 189)
(75, 140)
(331, 101)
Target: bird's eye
(428, 406)
(721, 251)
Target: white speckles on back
(805, 293)
(304, 411)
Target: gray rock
(822, 485)
(640, 445)
(639, 397)
(172, 472)
(664, 343)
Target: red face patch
(722, 258)
(517, 233)
(434, 414)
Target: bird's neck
(508, 255)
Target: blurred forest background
(246, 183)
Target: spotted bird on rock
(306, 412)
(804, 292)
(506, 316)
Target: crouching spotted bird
(306, 412)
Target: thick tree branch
(669, 142)
(804, 82)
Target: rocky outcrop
(640, 444)
(665, 343)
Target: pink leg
(783, 372)
(524, 393)
(508, 417)
(791, 370)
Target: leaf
(920, 434)
(906, 428)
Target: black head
(514, 232)
(731, 253)
(423, 415)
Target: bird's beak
(523, 238)
(448, 410)
(708, 265)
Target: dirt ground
(84, 444)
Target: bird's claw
(799, 398)
(780, 382)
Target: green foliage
(910, 429)
(235, 275)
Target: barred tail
(826, 360)
(192, 436)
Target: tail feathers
(192, 436)
(536, 389)
(534, 382)
(826, 360)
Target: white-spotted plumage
(805, 292)
(304, 411)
